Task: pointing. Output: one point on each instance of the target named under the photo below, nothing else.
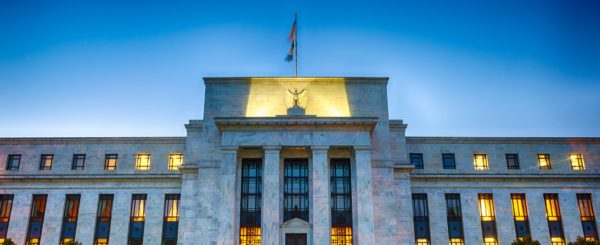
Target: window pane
(175, 160)
(142, 161)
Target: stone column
(188, 213)
(227, 193)
(270, 206)
(364, 192)
(321, 213)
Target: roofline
(93, 140)
(229, 80)
(494, 140)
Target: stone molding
(295, 123)
(92, 140)
(271, 148)
(319, 148)
(511, 177)
(246, 80)
(189, 168)
(499, 140)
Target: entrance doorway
(295, 239)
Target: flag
(292, 38)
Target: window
(588, 219)
(417, 160)
(142, 161)
(136, 219)
(295, 192)
(110, 161)
(6, 201)
(455, 226)
(448, 161)
(577, 161)
(46, 161)
(13, 162)
(78, 162)
(421, 219)
(36, 220)
(171, 219)
(480, 161)
(251, 199)
(544, 161)
(512, 161)
(519, 207)
(69, 224)
(175, 160)
(341, 201)
(103, 219)
(488, 219)
(554, 221)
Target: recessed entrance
(295, 239)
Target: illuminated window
(110, 161)
(341, 201)
(521, 217)
(250, 202)
(36, 219)
(554, 221)
(421, 219)
(454, 216)
(171, 219)
(417, 160)
(480, 161)
(13, 162)
(588, 219)
(70, 214)
(456, 241)
(295, 189)
(78, 161)
(448, 161)
(136, 219)
(142, 161)
(175, 160)
(46, 161)
(103, 219)
(512, 161)
(577, 162)
(6, 201)
(544, 161)
(488, 219)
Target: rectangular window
(519, 207)
(341, 201)
(544, 161)
(480, 161)
(103, 219)
(295, 190)
(78, 162)
(142, 161)
(70, 214)
(110, 161)
(588, 219)
(417, 160)
(13, 162)
(171, 219)
(577, 161)
(6, 201)
(448, 161)
(46, 161)
(488, 219)
(421, 219)
(250, 203)
(512, 161)
(36, 219)
(554, 220)
(175, 160)
(137, 219)
(455, 226)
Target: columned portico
(321, 212)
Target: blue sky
(456, 68)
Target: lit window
(456, 241)
(341, 201)
(577, 161)
(175, 160)
(417, 160)
(480, 161)
(448, 161)
(6, 201)
(103, 219)
(251, 199)
(142, 161)
(512, 161)
(544, 161)
(78, 161)
(36, 219)
(554, 220)
(13, 162)
(137, 219)
(488, 219)
(70, 215)
(519, 207)
(588, 219)
(46, 161)
(171, 219)
(110, 161)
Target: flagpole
(296, 44)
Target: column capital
(319, 147)
(362, 147)
(229, 148)
(271, 148)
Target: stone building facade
(298, 161)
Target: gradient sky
(456, 68)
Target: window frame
(484, 165)
(586, 215)
(520, 213)
(544, 156)
(251, 201)
(105, 201)
(44, 158)
(10, 162)
(6, 203)
(451, 157)
(107, 160)
(295, 171)
(419, 156)
(77, 159)
(580, 164)
(172, 156)
(340, 172)
(421, 204)
(515, 158)
(70, 215)
(138, 161)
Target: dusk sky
(456, 68)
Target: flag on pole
(292, 38)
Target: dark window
(36, 219)
(78, 161)
(13, 162)
(588, 219)
(520, 214)
(170, 219)
(6, 201)
(341, 201)
(554, 220)
(137, 219)
(448, 161)
(487, 214)
(512, 161)
(46, 161)
(110, 161)
(103, 218)
(455, 226)
(251, 199)
(295, 192)
(417, 160)
(544, 161)
(69, 224)
(421, 219)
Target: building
(298, 161)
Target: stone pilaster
(537, 217)
(270, 208)
(53, 218)
(321, 213)
(154, 218)
(119, 225)
(569, 212)
(404, 205)
(227, 192)
(188, 213)
(87, 217)
(364, 192)
(19, 218)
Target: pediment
(295, 222)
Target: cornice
(92, 140)
(245, 80)
(291, 123)
(500, 140)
